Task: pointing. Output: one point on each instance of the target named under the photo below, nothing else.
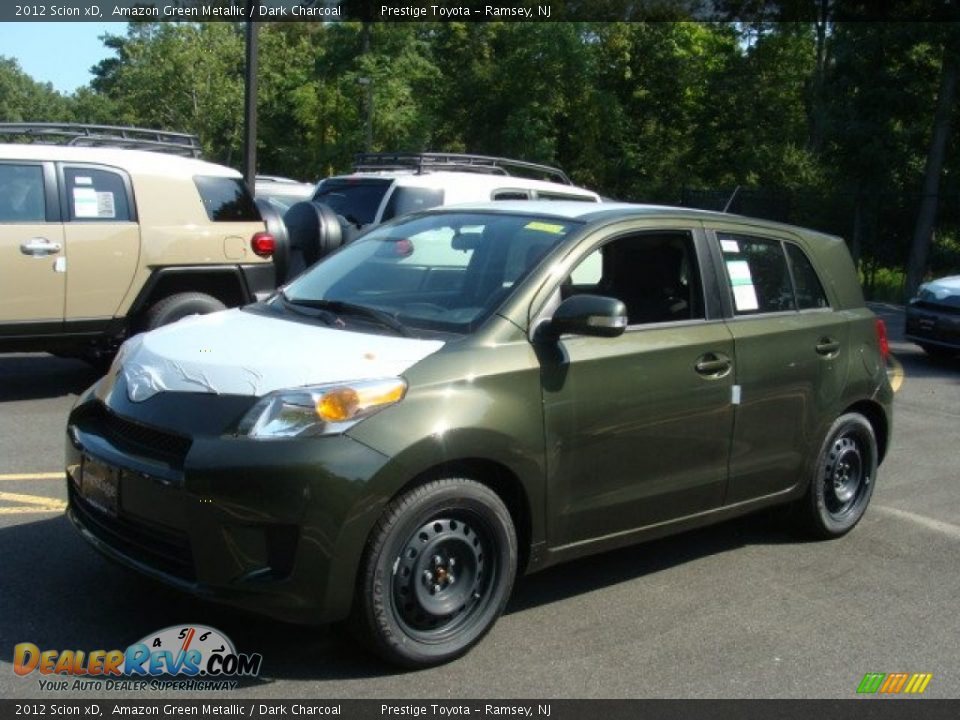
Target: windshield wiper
(344, 308)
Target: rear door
(32, 279)
(102, 239)
(790, 350)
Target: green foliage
(831, 121)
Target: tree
(923, 232)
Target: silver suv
(384, 186)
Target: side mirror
(591, 315)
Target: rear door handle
(713, 365)
(827, 346)
(39, 247)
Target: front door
(638, 427)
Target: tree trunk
(923, 231)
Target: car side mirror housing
(591, 315)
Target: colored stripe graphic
(894, 683)
(871, 682)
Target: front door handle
(39, 247)
(827, 346)
(713, 365)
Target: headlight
(320, 410)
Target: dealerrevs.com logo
(203, 656)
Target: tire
(179, 306)
(314, 230)
(843, 479)
(417, 612)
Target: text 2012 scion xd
(464, 394)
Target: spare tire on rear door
(315, 231)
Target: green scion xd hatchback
(468, 393)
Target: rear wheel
(844, 478)
(176, 307)
(437, 573)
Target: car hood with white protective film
(945, 291)
(242, 353)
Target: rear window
(356, 199)
(226, 199)
(406, 200)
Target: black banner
(474, 11)
(863, 709)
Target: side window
(21, 194)
(98, 195)
(406, 200)
(655, 275)
(809, 289)
(226, 199)
(757, 272)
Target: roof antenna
(732, 196)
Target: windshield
(446, 272)
(357, 199)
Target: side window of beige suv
(96, 195)
(21, 194)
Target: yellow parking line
(896, 373)
(33, 476)
(30, 504)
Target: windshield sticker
(744, 294)
(745, 297)
(82, 180)
(84, 202)
(730, 246)
(106, 206)
(544, 227)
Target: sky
(61, 53)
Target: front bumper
(930, 324)
(269, 526)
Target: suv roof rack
(459, 162)
(83, 135)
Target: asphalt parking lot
(743, 609)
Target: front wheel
(437, 572)
(844, 477)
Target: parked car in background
(384, 186)
(282, 192)
(933, 317)
(467, 394)
(107, 231)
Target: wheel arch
(226, 284)
(877, 418)
(499, 478)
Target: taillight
(882, 339)
(263, 244)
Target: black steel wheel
(438, 572)
(844, 477)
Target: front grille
(934, 307)
(164, 550)
(134, 437)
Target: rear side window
(405, 200)
(21, 194)
(758, 275)
(226, 199)
(563, 197)
(356, 199)
(96, 195)
(809, 289)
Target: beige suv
(98, 243)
